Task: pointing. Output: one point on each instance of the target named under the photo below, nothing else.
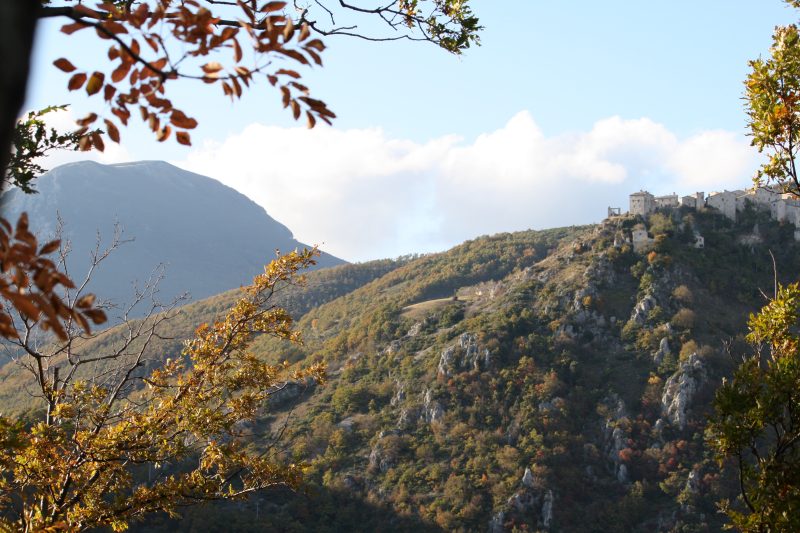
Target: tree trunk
(17, 28)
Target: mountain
(537, 381)
(209, 237)
(550, 380)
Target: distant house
(643, 203)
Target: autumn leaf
(76, 81)
(64, 65)
(113, 132)
(95, 83)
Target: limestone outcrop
(681, 388)
(463, 355)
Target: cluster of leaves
(449, 23)
(75, 470)
(154, 43)
(772, 100)
(756, 423)
(30, 283)
(228, 44)
(33, 140)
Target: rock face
(662, 352)
(289, 392)
(615, 435)
(399, 395)
(527, 478)
(531, 498)
(681, 388)
(382, 457)
(463, 355)
(432, 410)
(642, 309)
(496, 523)
(547, 509)
(415, 330)
(209, 237)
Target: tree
(757, 420)
(104, 419)
(228, 43)
(115, 442)
(772, 102)
(756, 423)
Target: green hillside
(543, 380)
(530, 381)
(322, 286)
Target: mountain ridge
(209, 237)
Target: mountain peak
(209, 237)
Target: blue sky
(565, 108)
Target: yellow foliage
(73, 470)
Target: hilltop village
(782, 207)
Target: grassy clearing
(420, 310)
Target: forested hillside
(321, 286)
(548, 380)
(543, 380)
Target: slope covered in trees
(322, 286)
(542, 380)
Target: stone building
(698, 201)
(782, 207)
(642, 203)
(725, 202)
(670, 200)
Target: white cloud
(710, 159)
(363, 194)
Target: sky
(565, 109)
